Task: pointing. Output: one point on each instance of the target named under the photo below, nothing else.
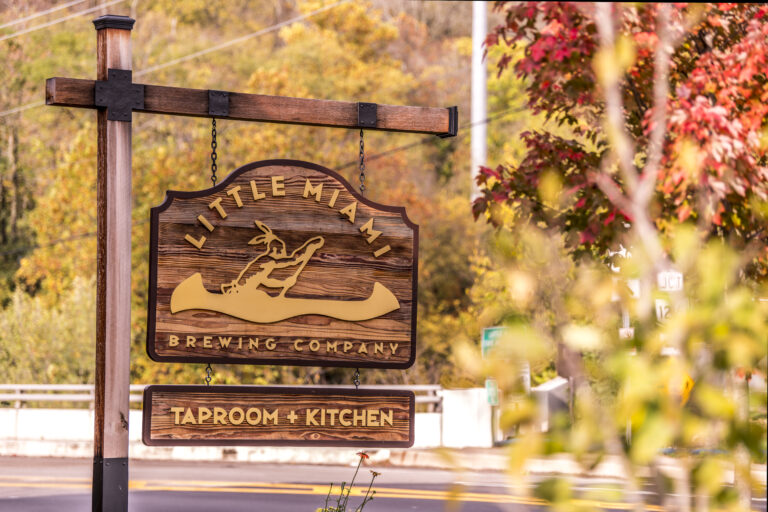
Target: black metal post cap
(114, 21)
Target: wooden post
(113, 289)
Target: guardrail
(18, 394)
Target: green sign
(492, 388)
(490, 338)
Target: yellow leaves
(276, 82)
(550, 189)
(583, 337)
(610, 64)
(527, 446)
(650, 437)
(708, 477)
(763, 144)
(517, 412)
(49, 343)
(292, 33)
(714, 402)
(521, 287)
(690, 159)
(463, 46)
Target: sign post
(390, 309)
(113, 279)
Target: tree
(669, 173)
(709, 164)
(355, 51)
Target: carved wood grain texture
(72, 92)
(344, 268)
(161, 427)
(113, 296)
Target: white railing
(17, 394)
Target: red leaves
(717, 115)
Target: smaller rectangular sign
(277, 416)
(492, 389)
(490, 338)
(670, 281)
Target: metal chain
(356, 377)
(214, 168)
(214, 156)
(362, 164)
(208, 371)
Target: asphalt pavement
(56, 484)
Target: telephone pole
(479, 130)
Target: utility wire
(185, 58)
(239, 39)
(425, 140)
(495, 117)
(22, 108)
(59, 20)
(59, 241)
(41, 13)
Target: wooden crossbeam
(72, 92)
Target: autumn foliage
(714, 170)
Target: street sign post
(116, 98)
(492, 389)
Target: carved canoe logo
(245, 298)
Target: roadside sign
(490, 338)
(662, 310)
(492, 388)
(277, 416)
(282, 263)
(670, 281)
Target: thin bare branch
(609, 187)
(661, 65)
(614, 104)
(643, 225)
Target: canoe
(254, 305)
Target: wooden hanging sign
(277, 416)
(282, 263)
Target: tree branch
(661, 64)
(614, 105)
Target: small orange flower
(363, 455)
(374, 473)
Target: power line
(59, 20)
(41, 13)
(22, 108)
(185, 58)
(495, 117)
(239, 39)
(59, 241)
(425, 140)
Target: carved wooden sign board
(282, 263)
(277, 416)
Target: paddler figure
(278, 258)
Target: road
(50, 484)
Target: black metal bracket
(110, 484)
(218, 103)
(113, 21)
(119, 95)
(453, 123)
(366, 115)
